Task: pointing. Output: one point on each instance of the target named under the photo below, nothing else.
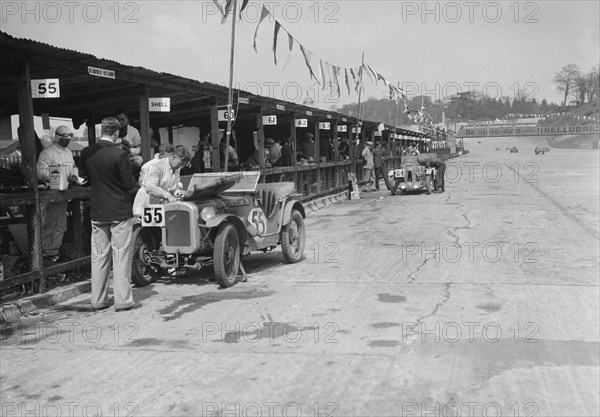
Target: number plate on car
(153, 216)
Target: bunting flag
(380, 77)
(307, 59)
(228, 6)
(322, 73)
(336, 80)
(264, 13)
(244, 4)
(290, 46)
(347, 82)
(216, 2)
(275, 33)
(371, 73)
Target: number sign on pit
(270, 120)
(48, 88)
(301, 122)
(223, 115)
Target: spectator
(367, 156)
(130, 137)
(287, 156)
(379, 167)
(54, 215)
(307, 148)
(233, 162)
(109, 173)
(274, 149)
(344, 149)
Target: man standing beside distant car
(109, 174)
(439, 165)
(379, 167)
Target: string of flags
(323, 72)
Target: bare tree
(593, 79)
(565, 79)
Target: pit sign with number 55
(153, 216)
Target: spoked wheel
(226, 257)
(141, 272)
(293, 238)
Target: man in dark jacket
(439, 165)
(379, 167)
(109, 175)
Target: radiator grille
(178, 228)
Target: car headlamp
(208, 213)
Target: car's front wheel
(293, 238)
(142, 273)
(226, 257)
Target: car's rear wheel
(293, 238)
(142, 273)
(226, 257)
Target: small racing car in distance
(540, 150)
(222, 217)
(411, 177)
(514, 149)
(497, 149)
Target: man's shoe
(101, 307)
(134, 306)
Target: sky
(430, 48)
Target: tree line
(576, 85)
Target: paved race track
(481, 301)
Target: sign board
(243, 100)
(324, 125)
(101, 72)
(223, 115)
(45, 88)
(280, 107)
(356, 129)
(159, 104)
(270, 120)
(342, 128)
(569, 130)
(301, 122)
(329, 116)
(308, 113)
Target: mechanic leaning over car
(162, 180)
(439, 165)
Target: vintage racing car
(411, 177)
(540, 150)
(514, 149)
(222, 217)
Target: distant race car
(539, 150)
(497, 149)
(514, 149)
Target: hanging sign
(45, 88)
(101, 72)
(280, 107)
(223, 115)
(324, 125)
(159, 104)
(356, 129)
(243, 100)
(270, 120)
(342, 128)
(301, 122)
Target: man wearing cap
(368, 168)
(54, 215)
(274, 150)
(439, 165)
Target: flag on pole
(290, 46)
(307, 59)
(276, 32)
(264, 13)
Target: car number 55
(153, 216)
(258, 220)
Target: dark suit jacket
(109, 174)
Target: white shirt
(54, 155)
(160, 174)
(134, 139)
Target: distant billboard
(526, 130)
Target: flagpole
(230, 96)
(360, 72)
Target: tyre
(226, 257)
(428, 183)
(141, 272)
(293, 238)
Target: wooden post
(317, 155)
(170, 134)
(27, 139)
(293, 146)
(91, 130)
(145, 124)
(215, 139)
(261, 139)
